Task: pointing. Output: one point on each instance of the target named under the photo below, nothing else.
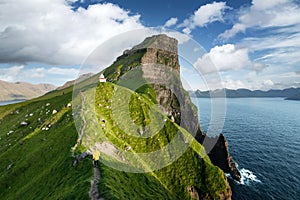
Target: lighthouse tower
(102, 79)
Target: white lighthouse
(102, 79)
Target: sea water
(2, 103)
(264, 140)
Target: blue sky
(253, 44)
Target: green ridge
(37, 164)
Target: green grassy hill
(38, 140)
(37, 164)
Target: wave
(247, 176)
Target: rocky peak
(161, 42)
(159, 49)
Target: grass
(187, 170)
(37, 164)
(41, 165)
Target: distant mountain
(294, 97)
(70, 83)
(244, 93)
(22, 90)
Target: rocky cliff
(161, 52)
(157, 56)
(220, 156)
(48, 138)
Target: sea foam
(248, 177)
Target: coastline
(3, 103)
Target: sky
(252, 44)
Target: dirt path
(94, 192)
(82, 116)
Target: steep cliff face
(157, 56)
(175, 102)
(220, 156)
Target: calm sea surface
(264, 139)
(10, 102)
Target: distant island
(288, 94)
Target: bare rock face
(161, 53)
(160, 67)
(220, 156)
(161, 42)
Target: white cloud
(49, 31)
(274, 27)
(258, 67)
(233, 84)
(281, 49)
(10, 73)
(266, 14)
(171, 22)
(54, 75)
(268, 83)
(62, 71)
(223, 58)
(267, 4)
(186, 31)
(206, 14)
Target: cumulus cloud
(171, 22)
(268, 83)
(204, 15)
(298, 72)
(227, 57)
(51, 32)
(223, 58)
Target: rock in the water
(219, 156)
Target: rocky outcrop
(161, 69)
(162, 51)
(158, 60)
(220, 156)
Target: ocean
(2, 103)
(264, 140)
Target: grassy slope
(188, 170)
(42, 163)
(41, 166)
